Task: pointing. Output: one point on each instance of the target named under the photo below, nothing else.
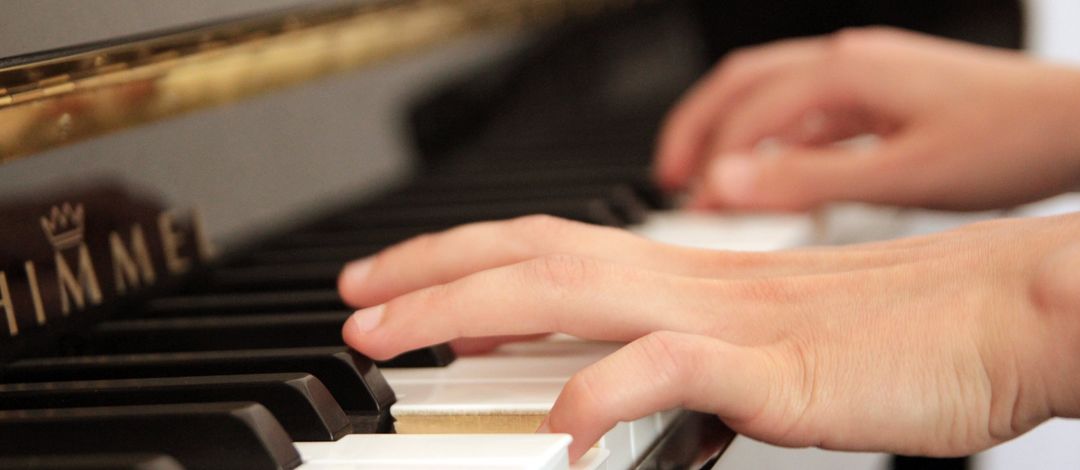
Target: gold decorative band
(58, 99)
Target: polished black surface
(193, 434)
(353, 380)
(91, 461)
(300, 402)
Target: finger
(442, 258)
(437, 259)
(658, 372)
(578, 296)
(804, 178)
(686, 133)
(785, 104)
(476, 346)
(818, 128)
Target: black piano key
(494, 176)
(243, 303)
(419, 197)
(339, 254)
(300, 402)
(578, 158)
(637, 178)
(353, 380)
(199, 436)
(220, 333)
(620, 198)
(379, 236)
(692, 440)
(439, 355)
(288, 330)
(91, 461)
(594, 210)
(265, 276)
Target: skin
(959, 126)
(940, 345)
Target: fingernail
(544, 428)
(368, 319)
(735, 178)
(356, 272)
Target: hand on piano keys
(786, 347)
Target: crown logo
(64, 225)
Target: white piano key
(474, 397)
(642, 434)
(482, 451)
(594, 459)
(557, 359)
(740, 232)
(516, 386)
(620, 442)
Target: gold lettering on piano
(205, 247)
(64, 225)
(77, 288)
(5, 303)
(35, 292)
(137, 270)
(171, 241)
(131, 255)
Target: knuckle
(803, 386)
(737, 58)
(532, 234)
(666, 353)
(530, 225)
(855, 41)
(735, 61)
(585, 389)
(560, 272)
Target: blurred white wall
(1054, 29)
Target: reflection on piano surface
(128, 346)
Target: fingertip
(359, 331)
(734, 179)
(697, 201)
(351, 334)
(666, 175)
(576, 449)
(677, 153)
(352, 279)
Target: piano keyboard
(194, 362)
(243, 366)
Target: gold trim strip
(466, 423)
(61, 100)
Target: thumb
(797, 179)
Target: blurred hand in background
(958, 126)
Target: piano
(148, 324)
(177, 204)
